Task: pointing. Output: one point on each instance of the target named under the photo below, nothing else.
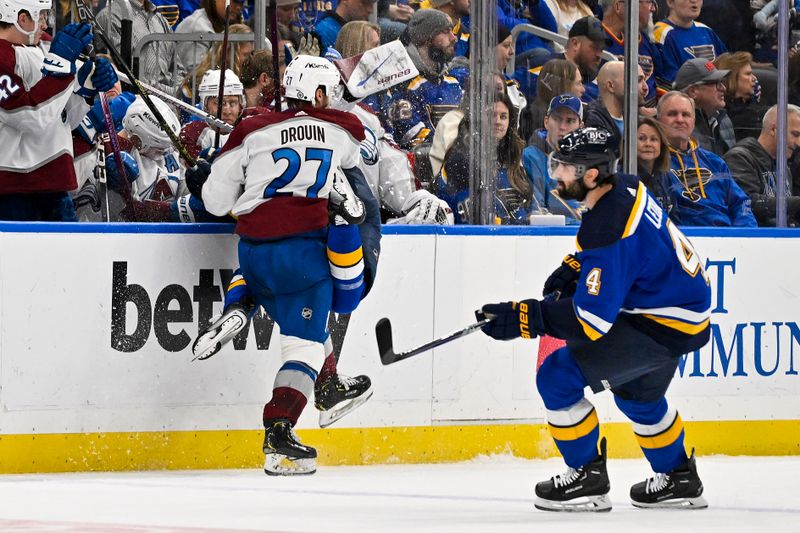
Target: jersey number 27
(293, 170)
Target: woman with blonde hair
(357, 37)
(566, 12)
(742, 102)
(557, 76)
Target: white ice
(492, 495)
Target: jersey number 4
(295, 163)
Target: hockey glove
(209, 154)
(113, 174)
(513, 320)
(65, 49)
(422, 207)
(197, 176)
(564, 280)
(104, 77)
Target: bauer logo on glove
(514, 320)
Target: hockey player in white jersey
(276, 174)
(41, 101)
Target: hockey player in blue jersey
(639, 301)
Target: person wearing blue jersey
(681, 38)
(649, 54)
(703, 190)
(346, 11)
(638, 301)
(417, 105)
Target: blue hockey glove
(65, 49)
(513, 320)
(564, 280)
(112, 173)
(209, 154)
(197, 176)
(94, 122)
(104, 76)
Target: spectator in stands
(741, 102)
(607, 111)
(213, 58)
(346, 11)
(557, 76)
(681, 38)
(705, 84)
(564, 115)
(257, 77)
(703, 192)
(586, 42)
(513, 196)
(416, 105)
(158, 65)
(287, 12)
(356, 38)
(753, 165)
(531, 51)
(210, 18)
(653, 160)
(649, 54)
(458, 11)
(392, 19)
(566, 13)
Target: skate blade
(337, 412)
(210, 342)
(688, 504)
(277, 464)
(584, 504)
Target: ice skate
(343, 204)
(577, 490)
(285, 455)
(338, 395)
(679, 489)
(222, 329)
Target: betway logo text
(172, 307)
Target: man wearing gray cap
(413, 104)
(702, 82)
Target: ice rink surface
(492, 495)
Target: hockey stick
(208, 118)
(383, 332)
(89, 17)
(223, 66)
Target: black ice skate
(223, 328)
(344, 207)
(582, 490)
(680, 489)
(286, 456)
(338, 395)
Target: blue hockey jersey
(649, 59)
(679, 45)
(704, 192)
(636, 262)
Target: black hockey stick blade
(383, 333)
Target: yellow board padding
(181, 450)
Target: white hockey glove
(424, 208)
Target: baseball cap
(568, 101)
(695, 71)
(590, 27)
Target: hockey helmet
(140, 121)
(9, 11)
(209, 86)
(306, 73)
(582, 149)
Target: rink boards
(96, 327)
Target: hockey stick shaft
(208, 118)
(223, 66)
(173, 137)
(127, 196)
(383, 332)
(273, 37)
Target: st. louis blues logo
(691, 178)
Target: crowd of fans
(706, 130)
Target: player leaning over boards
(41, 101)
(641, 300)
(275, 174)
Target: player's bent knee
(559, 380)
(305, 351)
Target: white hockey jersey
(285, 163)
(37, 115)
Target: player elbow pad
(346, 260)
